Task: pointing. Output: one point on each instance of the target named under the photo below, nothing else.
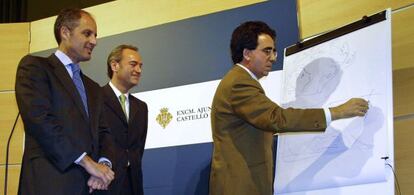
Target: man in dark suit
(128, 119)
(62, 112)
(244, 120)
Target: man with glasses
(244, 120)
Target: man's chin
(133, 81)
(86, 58)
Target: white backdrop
(346, 158)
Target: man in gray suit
(62, 112)
(244, 120)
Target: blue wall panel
(185, 52)
(177, 170)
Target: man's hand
(95, 183)
(100, 171)
(351, 108)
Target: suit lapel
(67, 83)
(135, 117)
(133, 108)
(113, 103)
(91, 95)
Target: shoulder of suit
(37, 62)
(31, 59)
(238, 75)
(29, 56)
(133, 98)
(107, 91)
(239, 72)
(90, 81)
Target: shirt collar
(248, 71)
(63, 58)
(117, 92)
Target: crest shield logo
(164, 117)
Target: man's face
(260, 60)
(79, 42)
(128, 71)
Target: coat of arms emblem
(164, 117)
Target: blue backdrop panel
(192, 50)
(177, 170)
(185, 52)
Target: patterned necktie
(77, 80)
(122, 99)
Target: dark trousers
(127, 184)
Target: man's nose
(273, 57)
(93, 40)
(138, 68)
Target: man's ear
(246, 54)
(114, 66)
(65, 33)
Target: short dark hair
(116, 55)
(245, 37)
(68, 17)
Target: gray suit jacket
(243, 122)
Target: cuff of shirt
(328, 116)
(105, 161)
(80, 158)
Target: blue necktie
(79, 85)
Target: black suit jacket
(57, 128)
(129, 138)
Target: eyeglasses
(269, 51)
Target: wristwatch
(104, 162)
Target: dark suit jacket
(129, 138)
(57, 127)
(243, 122)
